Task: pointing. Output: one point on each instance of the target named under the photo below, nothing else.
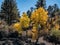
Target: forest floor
(10, 42)
(43, 41)
(39, 41)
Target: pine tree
(56, 8)
(30, 11)
(41, 3)
(9, 11)
(52, 10)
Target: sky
(24, 5)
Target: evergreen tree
(30, 11)
(41, 3)
(56, 8)
(52, 10)
(9, 11)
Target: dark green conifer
(9, 11)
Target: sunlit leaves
(17, 27)
(24, 20)
(39, 16)
(56, 27)
(34, 33)
(24, 23)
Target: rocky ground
(16, 41)
(23, 40)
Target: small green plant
(55, 33)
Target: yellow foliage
(34, 29)
(56, 27)
(39, 16)
(17, 26)
(24, 20)
(34, 33)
